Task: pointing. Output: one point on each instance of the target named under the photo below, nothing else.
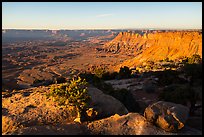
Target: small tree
(72, 93)
(125, 72)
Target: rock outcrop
(125, 42)
(60, 129)
(28, 112)
(31, 107)
(104, 104)
(169, 116)
(132, 124)
(155, 46)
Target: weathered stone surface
(132, 124)
(28, 112)
(169, 116)
(31, 107)
(104, 104)
(64, 129)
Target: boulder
(132, 124)
(168, 116)
(104, 104)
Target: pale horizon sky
(101, 15)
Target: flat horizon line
(108, 29)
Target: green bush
(72, 93)
(180, 94)
(195, 59)
(175, 93)
(124, 72)
(99, 72)
(166, 59)
(167, 77)
(109, 76)
(193, 70)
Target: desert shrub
(123, 95)
(193, 70)
(180, 94)
(148, 67)
(73, 93)
(167, 77)
(166, 59)
(195, 59)
(99, 72)
(124, 72)
(109, 76)
(170, 95)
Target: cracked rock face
(168, 116)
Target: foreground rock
(169, 116)
(132, 124)
(61, 129)
(30, 107)
(104, 104)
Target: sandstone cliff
(155, 46)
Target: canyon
(31, 66)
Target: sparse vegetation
(167, 77)
(123, 95)
(99, 71)
(72, 93)
(195, 59)
(180, 94)
(124, 72)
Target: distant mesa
(155, 46)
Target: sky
(101, 15)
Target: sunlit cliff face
(156, 46)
